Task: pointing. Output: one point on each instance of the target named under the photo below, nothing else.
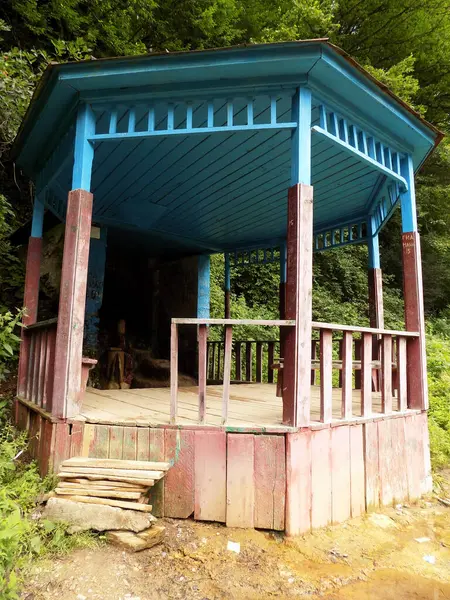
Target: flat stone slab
(137, 541)
(85, 516)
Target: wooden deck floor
(251, 405)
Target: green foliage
(9, 340)
(438, 356)
(22, 537)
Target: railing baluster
(259, 361)
(248, 361)
(401, 374)
(358, 373)
(347, 375)
(227, 371)
(270, 358)
(173, 372)
(42, 359)
(49, 370)
(313, 357)
(202, 339)
(238, 361)
(386, 374)
(326, 375)
(366, 375)
(36, 363)
(213, 361)
(219, 360)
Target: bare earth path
(375, 557)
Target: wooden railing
(251, 360)
(364, 358)
(37, 359)
(203, 325)
(356, 372)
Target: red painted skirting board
(293, 482)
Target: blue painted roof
(214, 191)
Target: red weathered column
(297, 351)
(415, 321)
(72, 301)
(30, 302)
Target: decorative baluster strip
(131, 120)
(210, 114)
(202, 361)
(170, 117)
(113, 121)
(323, 121)
(326, 375)
(347, 375)
(401, 374)
(151, 119)
(366, 375)
(250, 111)
(189, 116)
(273, 110)
(229, 114)
(173, 372)
(213, 361)
(227, 371)
(386, 374)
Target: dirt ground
(376, 556)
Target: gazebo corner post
(375, 279)
(31, 289)
(417, 387)
(72, 300)
(299, 245)
(203, 312)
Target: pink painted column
(30, 302)
(415, 321)
(31, 290)
(72, 302)
(297, 342)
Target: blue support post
(95, 283)
(84, 149)
(408, 198)
(301, 137)
(37, 222)
(373, 244)
(203, 289)
(375, 281)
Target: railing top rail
(274, 323)
(354, 329)
(43, 324)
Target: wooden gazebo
(289, 146)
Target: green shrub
(438, 356)
(22, 537)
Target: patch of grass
(23, 536)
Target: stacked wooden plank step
(118, 489)
(121, 483)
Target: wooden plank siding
(294, 481)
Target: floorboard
(251, 405)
